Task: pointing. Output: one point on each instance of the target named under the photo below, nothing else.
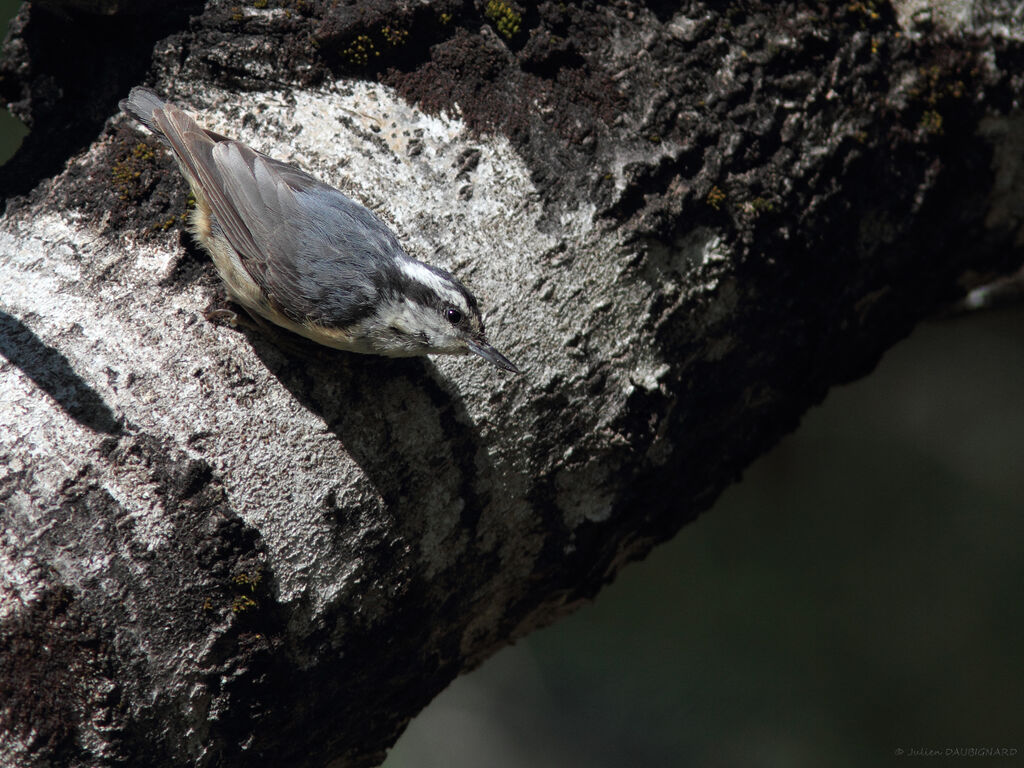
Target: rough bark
(223, 547)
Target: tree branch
(221, 545)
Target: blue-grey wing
(317, 254)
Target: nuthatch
(301, 254)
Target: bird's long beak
(491, 355)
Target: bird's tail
(140, 104)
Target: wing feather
(195, 152)
(315, 253)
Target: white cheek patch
(406, 318)
(420, 329)
(421, 274)
(403, 318)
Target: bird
(298, 252)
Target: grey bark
(220, 546)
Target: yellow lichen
(167, 223)
(143, 152)
(504, 17)
(759, 205)
(250, 580)
(931, 122)
(359, 53)
(241, 604)
(868, 8)
(715, 198)
(125, 174)
(395, 36)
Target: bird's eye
(453, 316)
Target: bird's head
(428, 311)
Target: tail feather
(219, 181)
(140, 104)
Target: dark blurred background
(859, 593)
(11, 130)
